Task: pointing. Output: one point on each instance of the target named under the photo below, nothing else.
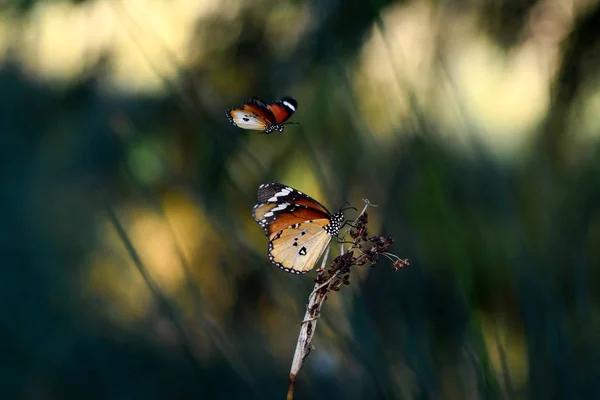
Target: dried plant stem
(333, 278)
(309, 323)
(307, 330)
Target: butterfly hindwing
(246, 119)
(298, 249)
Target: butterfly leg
(310, 319)
(348, 222)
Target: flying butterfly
(258, 116)
(298, 227)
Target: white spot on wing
(280, 207)
(283, 192)
(288, 105)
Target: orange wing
(283, 109)
(273, 217)
(299, 216)
(258, 107)
(311, 203)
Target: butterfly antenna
(347, 208)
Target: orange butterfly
(299, 228)
(258, 116)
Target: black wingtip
(291, 101)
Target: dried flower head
(363, 250)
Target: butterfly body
(256, 115)
(298, 227)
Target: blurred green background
(132, 268)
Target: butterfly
(258, 116)
(298, 227)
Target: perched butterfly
(299, 228)
(258, 116)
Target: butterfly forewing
(261, 109)
(264, 215)
(298, 249)
(273, 217)
(260, 210)
(300, 215)
(283, 109)
(278, 193)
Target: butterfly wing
(298, 249)
(260, 108)
(246, 119)
(298, 227)
(273, 217)
(283, 109)
(277, 193)
(254, 115)
(280, 206)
